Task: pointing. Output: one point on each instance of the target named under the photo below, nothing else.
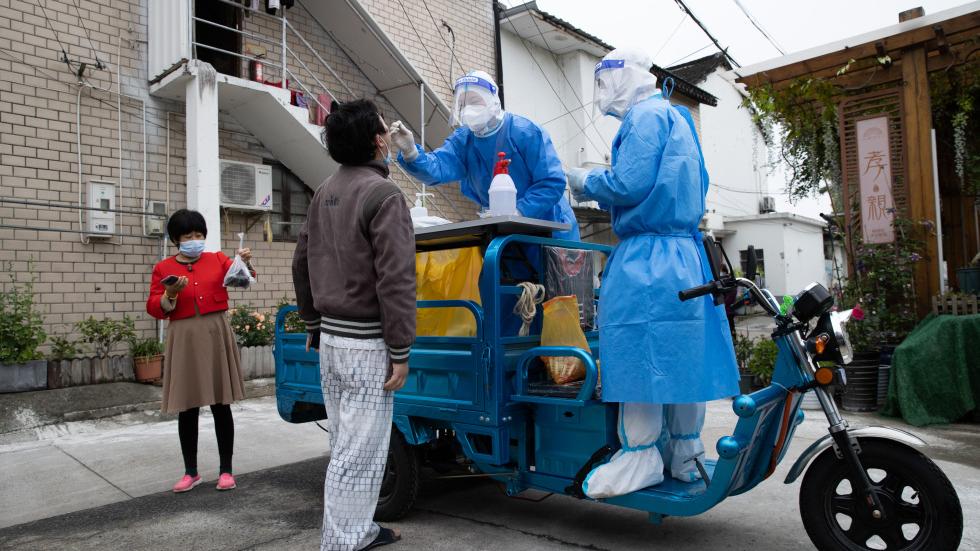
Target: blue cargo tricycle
(470, 403)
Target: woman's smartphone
(170, 280)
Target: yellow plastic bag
(561, 327)
(448, 275)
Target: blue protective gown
(655, 348)
(535, 169)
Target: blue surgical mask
(387, 159)
(193, 248)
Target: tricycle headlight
(838, 323)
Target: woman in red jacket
(201, 365)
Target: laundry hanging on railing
(273, 5)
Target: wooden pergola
(901, 55)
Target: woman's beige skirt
(202, 364)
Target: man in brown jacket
(354, 274)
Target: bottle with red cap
(503, 192)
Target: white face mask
(475, 117)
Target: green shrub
(21, 325)
(763, 359)
(64, 348)
(105, 334)
(251, 327)
(743, 350)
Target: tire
(922, 510)
(400, 486)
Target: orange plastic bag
(561, 327)
(448, 275)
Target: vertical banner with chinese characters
(877, 203)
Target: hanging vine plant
(802, 120)
(955, 95)
(797, 117)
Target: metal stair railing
(285, 52)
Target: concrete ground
(103, 485)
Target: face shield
(620, 84)
(604, 91)
(476, 105)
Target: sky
(661, 28)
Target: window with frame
(760, 259)
(291, 201)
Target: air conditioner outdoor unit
(767, 204)
(246, 186)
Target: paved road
(280, 507)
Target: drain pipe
(422, 114)
(78, 148)
(497, 10)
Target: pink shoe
(226, 482)
(187, 483)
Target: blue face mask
(193, 248)
(387, 159)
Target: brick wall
(38, 134)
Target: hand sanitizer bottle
(503, 193)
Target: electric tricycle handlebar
(720, 286)
(699, 291)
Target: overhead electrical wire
(671, 37)
(699, 50)
(91, 44)
(424, 47)
(47, 21)
(724, 51)
(759, 27)
(452, 51)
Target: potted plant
(254, 332)
(147, 359)
(64, 351)
(763, 361)
(882, 285)
(22, 367)
(104, 335)
(743, 351)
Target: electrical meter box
(101, 202)
(156, 222)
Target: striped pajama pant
(352, 375)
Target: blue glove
(576, 183)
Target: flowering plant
(252, 327)
(882, 287)
(293, 323)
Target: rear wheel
(922, 511)
(400, 485)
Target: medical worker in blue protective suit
(470, 153)
(661, 358)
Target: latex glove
(576, 183)
(404, 140)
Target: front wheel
(400, 485)
(922, 511)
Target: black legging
(224, 428)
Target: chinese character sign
(874, 162)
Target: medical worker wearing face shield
(662, 359)
(470, 153)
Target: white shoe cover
(638, 464)
(685, 421)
